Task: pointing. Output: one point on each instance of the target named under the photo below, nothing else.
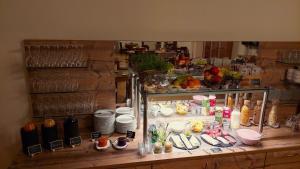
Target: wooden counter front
(279, 147)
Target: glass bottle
(230, 102)
(256, 112)
(240, 101)
(235, 119)
(272, 120)
(245, 113)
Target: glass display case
(203, 104)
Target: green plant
(149, 61)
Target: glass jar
(256, 112)
(212, 100)
(226, 112)
(230, 102)
(272, 120)
(219, 114)
(245, 113)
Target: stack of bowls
(296, 76)
(124, 110)
(104, 121)
(125, 123)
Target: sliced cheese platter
(182, 142)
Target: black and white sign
(130, 134)
(75, 141)
(216, 150)
(95, 135)
(35, 149)
(255, 82)
(56, 145)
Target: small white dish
(115, 145)
(166, 111)
(102, 148)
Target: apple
(206, 73)
(208, 77)
(184, 84)
(221, 74)
(216, 79)
(214, 70)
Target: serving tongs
(185, 145)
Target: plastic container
(235, 119)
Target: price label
(216, 150)
(56, 145)
(130, 134)
(255, 82)
(34, 150)
(95, 135)
(75, 141)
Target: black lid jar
(29, 136)
(70, 129)
(49, 132)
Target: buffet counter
(279, 148)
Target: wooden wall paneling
(279, 45)
(136, 167)
(218, 49)
(186, 164)
(282, 157)
(105, 100)
(238, 162)
(295, 165)
(101, 51)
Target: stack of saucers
(124, 110)
(125, 123)
(104, 121)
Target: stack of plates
(104, 121)
(297, 76)
(124, 123)
(290, 74)
(124, 110)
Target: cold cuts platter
(219, 141)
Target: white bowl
(102, 148)
(115, 145)
(166, 111)
(248, 137)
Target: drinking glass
(141, 149)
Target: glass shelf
(206, 91)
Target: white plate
(124, 110)
(177, 126)
(115, 145)
(102, 148)
(125, 119)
